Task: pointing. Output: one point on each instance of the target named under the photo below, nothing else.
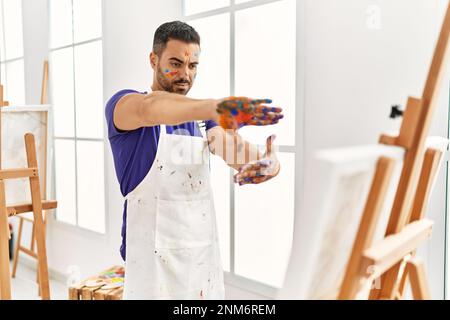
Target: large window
(249, 49)
(76, 69)
(11, 51)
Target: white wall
(353, 75)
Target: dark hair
(175, 30)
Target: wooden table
(87, 290)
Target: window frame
(446, 165)
(73, 45)
(231, 277)
(4, 61)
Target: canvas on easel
(373, 255)
(32, 119)
(350, 191)
(324, 268)
(16, 121)
(414, 131)
(338, 184)
(36, 205)
(23, 183)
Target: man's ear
(153, 60)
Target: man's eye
(176, 65)
(193, 66)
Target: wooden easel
(392, 260)
(36, 206)
(31, 252)
(3, 103)
(369, 261)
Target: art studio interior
(224, 149)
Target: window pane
(60, 23)
(12, 15)
(264, 225)
(87, 19)
(266, 64)
(91, 185)
(15, 85)
(196, 6)
(213, 77)
(65, 180)
(89, 90)
(61, 72)
(220, 182)
(2, 39)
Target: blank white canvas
(440, 144)
(336, 189)
(16, 122)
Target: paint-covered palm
(262, 170)
(236, 112)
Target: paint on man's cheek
(169, 73)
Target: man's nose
(184, 73)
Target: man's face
(176, 68)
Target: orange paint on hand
(228, 121)
(243, 117)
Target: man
(169, 230)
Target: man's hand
(262, 170)
(236, 112)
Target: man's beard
(169, 86)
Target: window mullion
(75, 117)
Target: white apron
(172, 241)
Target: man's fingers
(267, 116)
(266, 109)
(256, 180)
(256, 170)
(269, 143)
(251, 171)
(255, 166)
(259, 101)
(256, 122)
(248, 174)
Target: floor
(24, 286)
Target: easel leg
(37, 281)
(33, 240)
(353, 275)
(33, 231)
(17, 249)
(428, 173)
(5, 280)
(38, 219)
(389, 284)
(417, 278)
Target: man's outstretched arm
(134, 111)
